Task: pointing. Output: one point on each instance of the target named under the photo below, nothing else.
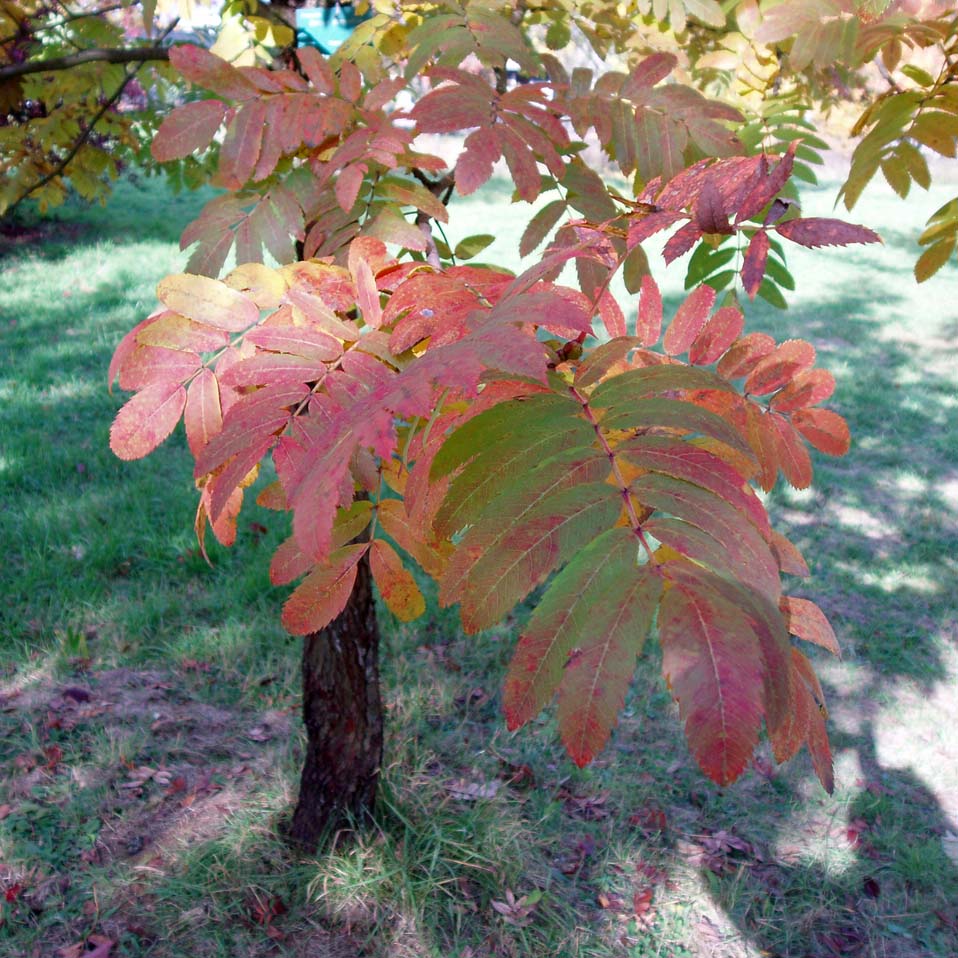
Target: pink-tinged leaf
(712, 662)
(599, 670)
(241, 147)
(719, 333)
(690, 320)
(173, 331)
(297, 341)
(125, 348)
(288, 563)
(317, 68)
(269, 369)
(816, 231)
(793, 458)
(208, 301)
(824, 429)
(395, 583)
(273, 497)
(685, 461)
(681, 242)
(203, 415)
(604, 359)
(350, 81)
(187, 130)
(753, 266)
(779, 367)
(648, 324)
(806, 620)
(613, 319)
(807, 684)
(474, 167)
(648, 72)
(367, 295)
(789, 559)
(789, 734)
(147, 419)
(323, 594)
(807, 388)
(250, 423)
(744, 355)
(147, 365)
(211, 72)
(348, 184)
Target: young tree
(506, 431)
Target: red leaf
(712, 662)
(806, 620)
(242, 145)
(611, 315)
(819, 231)
(323, 594)
(719, 333)
(824, 429)
(188, 129)
(681, 241)
(753, 266)
(779, 366)
(480, 152)
(147, 419)
(710, 214)
(807, 685)
(648, 324)
(297, 341)
(793, 458)
(690, 319)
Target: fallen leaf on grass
(642, 905)
(649, 819)
(5, 810)
(517, 911)
(590, 808)
(472, 791)
(143, 774)
(96, 946)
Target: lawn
(149, 733)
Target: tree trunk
(342, 712)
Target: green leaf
(934, 258)
(473, 245)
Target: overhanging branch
(134, 55)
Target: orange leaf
(745, 355)
(208, 301)
(808, 388)
(789, 559)
(147, 419)
(323, 594)
(396, 584)
(806, 620)
(824, 429)
(780, 366)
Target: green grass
(183, 668)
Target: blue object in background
(326, 28)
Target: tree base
(343, 715)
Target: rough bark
(342, 712)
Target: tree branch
(136, 55)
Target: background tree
(368, 379)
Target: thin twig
(106, 55)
